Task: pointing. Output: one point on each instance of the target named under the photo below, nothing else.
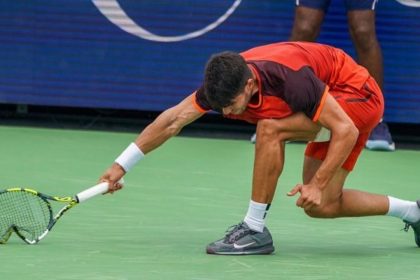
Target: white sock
(255, 217)
(404, 209)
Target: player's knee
(267, 130)
(322, 211)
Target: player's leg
(251, 236)
(339, 202)
(361, 19)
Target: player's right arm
(168, 124)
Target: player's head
(226, 78)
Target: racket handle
(100, 188)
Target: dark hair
(226, 75)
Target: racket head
(26, 212)
(30, 215)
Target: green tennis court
(185, 195)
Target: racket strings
(25, 212)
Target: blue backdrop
(148, 55)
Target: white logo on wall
(112, 10)
(410, 3)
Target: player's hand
(310, 196)
(113, 176)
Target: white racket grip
(100, 188)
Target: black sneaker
(380, 139)
(415, 226)
(241, 240)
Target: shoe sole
(258, 251)
(380, 145)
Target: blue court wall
(150, 54)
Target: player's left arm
(344, 135)
(307, 93)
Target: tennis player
(291, 91)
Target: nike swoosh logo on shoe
(237, 246)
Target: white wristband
(131, 155)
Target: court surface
(186, 194)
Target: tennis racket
(30, 215)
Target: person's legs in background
(361, 22)
(307, 24)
